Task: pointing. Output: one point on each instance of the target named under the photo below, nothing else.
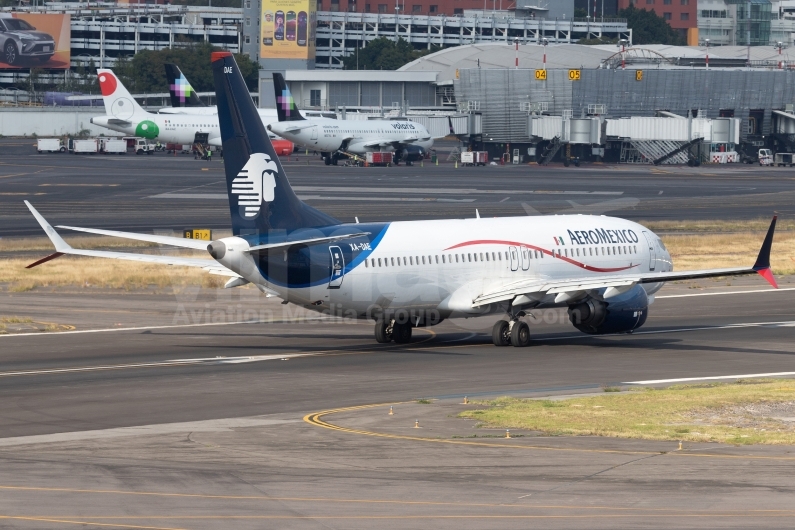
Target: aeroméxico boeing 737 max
(415, 273)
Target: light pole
(516, 44)
(544, 43)
(706, 43)
(780, 46)
(623, 45)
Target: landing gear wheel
(327, 160)
(501, 333)
(401, 333)
(520, 334)
(383, 331)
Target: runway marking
(315, 419)
(259, 498)
(721, 293)
(44, 519)
(709, 378)
(83, 185)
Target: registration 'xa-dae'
(417, 273)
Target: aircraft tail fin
(260, 196)
(182, 93)
(285, 104)
(119, 103)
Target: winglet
(60, 245)
(762, 265)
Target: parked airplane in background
(124, 115)
(605, 270)
(184, 99)
(410, 141)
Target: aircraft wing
(535, 288)
(329, 239)
(62, 247)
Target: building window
(248, 4)
(335, 5)
(366, 8)
(667, 16)
(416, 9)
(247, 39)
(649, 2)
(458, 11)
(685, 2)
(320, 5)
(668, 2)
(684, 16)
(434, 9)
(314, 98)
(248, 21)
(382, 8)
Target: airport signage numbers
(205, 234)
(575, 75)
(541, 75)
(638, 75)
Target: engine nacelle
(619, 314)
(413, 153)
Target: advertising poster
(288, 29)
(35, 40)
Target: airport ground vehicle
(604, 270)
(379, 158)
(784, 159)
(474, 158)
(142, 146)
(112, 146)
(90, 146)
(50, 145)
(765, 157)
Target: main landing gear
(389, 330)
(513, 333)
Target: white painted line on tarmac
(712, 378)
(160, 364)
(145, 328)
(726, 292)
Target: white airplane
(409, 141)
(124, 115)
(605, 270)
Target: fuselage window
(481, 256)
(443, 259)
(476, 256)
(423, 260)
(393, 262)
(469, 256)
(456, 258)
(487, 256)
(411, 260)
(366, 264)
(437, 260)
(379, 262)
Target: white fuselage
(177, 128)
(353, 136)
(446, 264)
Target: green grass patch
(743, 412)
(424, 401)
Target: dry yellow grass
(745, 412)
(105, 273)
(718, 225)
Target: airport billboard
(288, 29)
(35, 40)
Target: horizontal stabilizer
(195, 244)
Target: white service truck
(85, 146)
(50, 145)
(111, 146)
(785, 159)
(143, 146)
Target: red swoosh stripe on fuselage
(542, 250)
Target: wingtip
(763, 259)
(767, 274)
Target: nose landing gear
(514, 333)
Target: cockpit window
(662, 245)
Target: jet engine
(621, 313)
(412, 153)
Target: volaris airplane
(415, 273)
(410, 141)
(124, 115)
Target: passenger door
(514, 253)
(337, 268)
(652, 251)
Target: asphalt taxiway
(150, 414)
(137, 193)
